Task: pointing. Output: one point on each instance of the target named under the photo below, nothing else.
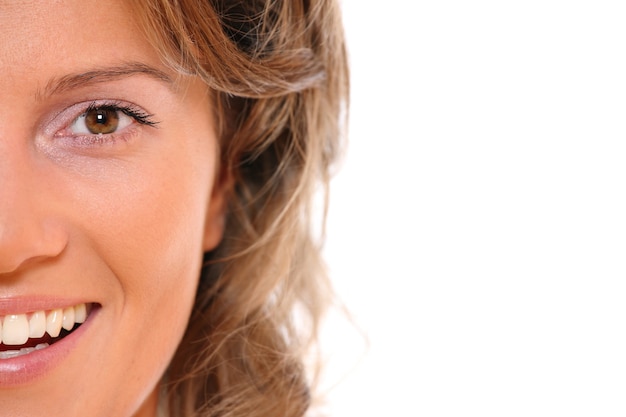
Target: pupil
(101, 121)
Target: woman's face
(108, 197)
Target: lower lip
(27, 368)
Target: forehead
(40, 40)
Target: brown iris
(102, 120)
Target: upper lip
(29, 304)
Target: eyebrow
(102, 75)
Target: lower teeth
(24, 351)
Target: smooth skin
(121, 219)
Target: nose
(28, 231)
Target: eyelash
(138, 115)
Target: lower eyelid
(94, 141)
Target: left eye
(100, 121)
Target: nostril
(23, 243)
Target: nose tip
(23, 243)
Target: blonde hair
(278, 72)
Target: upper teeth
(17, 328)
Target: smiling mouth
(22, 334)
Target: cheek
(155, 225)
(146, 223)
(146, 214)
(149, 233)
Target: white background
(477, 230)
